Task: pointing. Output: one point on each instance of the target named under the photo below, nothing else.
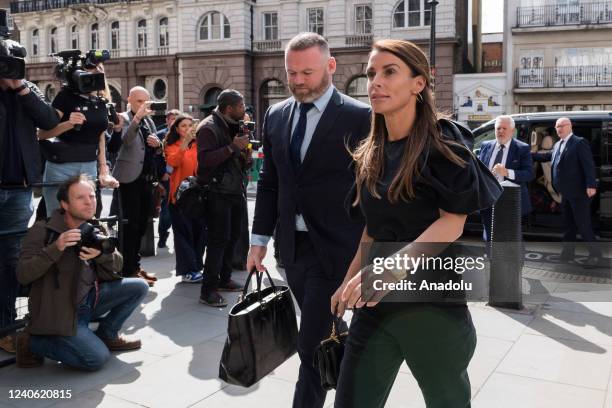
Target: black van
(538, 130)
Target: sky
(492, 16)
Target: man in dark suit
(306, 176)
(509, 159)
(573, 176)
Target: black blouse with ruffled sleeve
(442, 185)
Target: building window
(94, 41)
(363, 19)
(53, 40)
(412, 13)
(215, 26)
(159, 89)
(141, 35)
(270, 25)
(114, 36)
(74, 37)
(358, 89)
(35, 42)
(164, 35)
(49, 93)
(532, 108)
(315, 20)
(116, 98)
(272, 91)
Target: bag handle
(258, 280)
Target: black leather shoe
(592, 262)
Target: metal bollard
(505, 284)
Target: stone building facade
(558, 55)
(186, 51)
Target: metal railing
(268, 45)
(564, 77)
(362, 40)
(43, 5)
(564, 14)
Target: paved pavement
(555, 353)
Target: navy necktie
(555, 165)
(298, 135)
(498, 156)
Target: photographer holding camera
(136, 171)
(72, 268)
(80, 140)
(22, 110)
(223, 157)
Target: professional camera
(12, 54)
(71, 70)
(248, 128)
(112, 112)
(92, 237)
(159, 107)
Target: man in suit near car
(573, 176)
(306, 176)
(509, 159)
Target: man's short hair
(304, 41)
(173, 112)
(506, 118)
(229, 97)
(64, 189)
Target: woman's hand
(360, 290)
(106, 180)
(337, 305)
(76, 118)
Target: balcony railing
(564, 77)
(163, 50)
(362, 40)
(268, 45)
(43, 5)
(564, 14)
(116, 53)
(141, 52)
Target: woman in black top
(78, 151)
(413, 185)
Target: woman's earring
(419, 97)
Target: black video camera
(71, 70)
(92, 237)
(12, 54)
(159, 107)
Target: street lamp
(432, 42)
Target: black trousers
(313, 290)
(241, 250)
(137, 205)
(577, 218)
(437, 343)
(224, 215)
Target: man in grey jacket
(135, 170)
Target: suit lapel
(327, 121)
(488, 152)
(287, 120)
(512, 153)
(568, 145)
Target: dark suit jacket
(319, 189)
(519, 160)
(576, 168)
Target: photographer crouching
(223, 158)
(72, 268)
(22, 110)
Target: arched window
(53, 40)
(50, 93)
(210, 97)
(412, 13)
(160, 89)
(114, 36)
(94, 42)
(272, 91)
(74, 37)
(358, 89)
(141, 35)
(116, 98)
(35, 42)
(214, 26)
(164, 35)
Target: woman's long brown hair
(369, 155)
